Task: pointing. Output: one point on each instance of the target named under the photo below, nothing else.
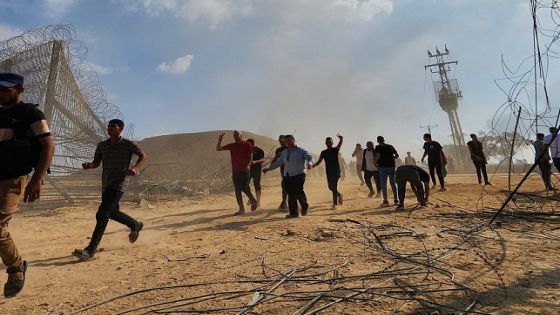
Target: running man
(409, 160)
(358, 154)
(478, 158)
(436, 159)
(419, 182)
(370, 169)
(295, 161)
(330, 155)
(542, 158)
(277, 153)
(241, 153)
(115, 154)
(21, 125)
(385, 155)
(256, 169)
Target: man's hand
(339, 136)
(33, 190)
(131, 172)
(265, 170)
(87, 165)
(221, 137)
(309, 166)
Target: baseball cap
(10, 79)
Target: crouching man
(419, 182)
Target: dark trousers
(481, 168)
(546, 172)
(404, 176)
(284, 191)
(256, 177)
(437, 169)
(367, 177)
(332, 180)
(294, 187)
(241, 184)
(109, 209)
(556, 162)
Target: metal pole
(512, 147)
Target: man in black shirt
(478, 158)
(277, 153)
(330, 155)
(436, 159)
(26, 144)
(419, 182)
(385, 155)
(256, 169)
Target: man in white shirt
(554, 146)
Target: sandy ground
(514, 266)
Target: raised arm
(340, 140)
(219, 144)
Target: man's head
(358, 146)
(407, 153)
(540, 136)
(427, 137)
(380, 139)
(282, 140)
(329, 142)
(290, 141)
(11, 87)
(115, 127)
(369, 145)
(237, 135)
(552, 130)
(473, 137)
(251, 141)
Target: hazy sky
(316, 67)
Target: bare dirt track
(380, 261)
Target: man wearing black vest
(26, 144)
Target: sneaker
(16, 280)
(340, 199)
(422, 206)
(304, 210)
(396, 201)
(83, 254)
(550, 189)
(362, 184)
(399, 207)
(442, 189)
(240, 212)
(283, 206)
(333, 207)
(134, 234)
(254, 206)
(371, 194)
(488, 183)
(385, 203)
(292, 216)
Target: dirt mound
(193, 155)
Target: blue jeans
(383, 173)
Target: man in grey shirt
(115, 154)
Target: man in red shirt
(241, 157)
